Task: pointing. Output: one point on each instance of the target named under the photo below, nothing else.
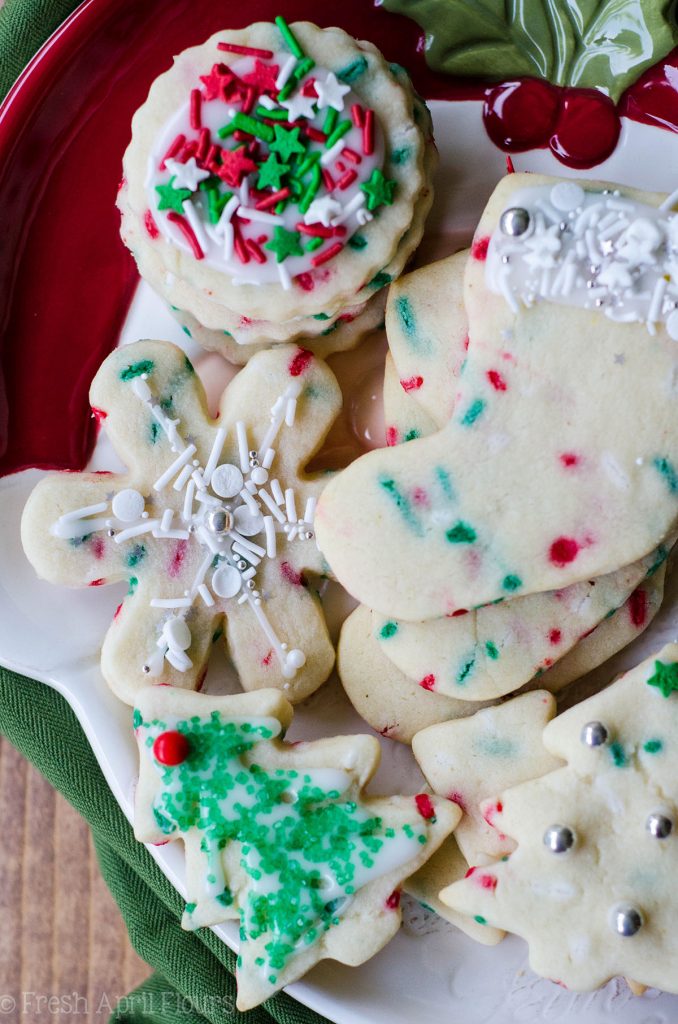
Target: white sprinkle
(135, 531)
(269, 527)
(187, 510)
(217, 446)
(207, 499)
(87, 510)
(205, 595)
(290, 411)
(350, 208)
(229, 238)
(292, 533)
(166, 521)
(246, 543)
(284, 275)
(243, 598)
(141, 389)
(285, 72)
(245, 190)
(277, 492)
(268, 458)
(180, 461)
(196, 223)
(364, 216)
(330, 155)
(290, 505)
(266, 101)
(249, 501)
(243, 450)
(249, 573)
(179, 660)
(271, 505)
(171, 602)
(309, 512)
(670, 201)
(654, 312)
(259, 215)
(251, 486)
(183, 478)
(171, 534)
(240, 549)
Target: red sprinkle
(347, 180)
(267, 659)
(316, 230)
(459, 611)
(393, 901)
(510, 169)
(187, 232)
(174, 567)
(569, 459)
(189, 150)
(203, 145)
(496, 380)
(479, 248)
(328, 180)
(487, 882)
(97, 583)
(424, 806)
(315, 133)
(391, 436)
(99, 414)
(357, 115)
(171, 747)
(299, 362)
(256, 252)
(428, 682)
(246, 51)
(328, 254)
(471, 871)
(297, 579)
(117, 611)
(272, 199)
(248, 102)
(309, 88)
(638, 607)
(195, 109)
(98, 547)
(305, 282)
(455, 797)
(177, 145)
(555, 636)
(368, 133)
(563, 551)
(150, 225)
(412, 383)
(351, 156)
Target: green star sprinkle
(665, 678)
(172, 198)
(286, 142)
(271, 172)
(379, 190)
(285, 243)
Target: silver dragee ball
(559, 838)
(219, 520)
(659, 825)
(514, 221)
(625, 919)
(594, 734)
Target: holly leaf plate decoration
(278, 835)
(599, 44)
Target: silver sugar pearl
(559, 838)
(625, 919)
(191, 528)
(514, 221)
(146, 669)
(218, 520)
(254, 453)
(254, 463)
(110, 533)
(505, 259)
(659, 825)
(251, 584)
(242, 564)
(594, 734)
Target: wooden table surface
(61, 934)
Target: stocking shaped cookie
(591, 883)
(277, 835)
(559, 463)
(211, 525)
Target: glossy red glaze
(653, 99)
(588, 128)
(521, 115)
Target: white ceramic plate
(430, 972)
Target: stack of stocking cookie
(521, 534)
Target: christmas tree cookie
(278, 836)
(277, 179)
(211, 525)
(590, 885)
(559, 463)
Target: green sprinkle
(357, 242)
(136, 555)
(480, 919)
(330, 330)
(445, 482)
(353, 70)
(137, 369)
(284, 243)
(388, 630)
(133, 581)
(245, 123)
(308, 163)
(272, 115)
(378, 190)
(289, 37)
(466, 669)
(186, 331)
(330, 120)
(473, 412)
(401, 156)
(286, 142)
(668, 471)
(653, 746)
(411, 435)
(402, 504)
(338, 133)
(155, 431)
(226, 130)
(306, 65)
(313, 187)
(271, 173)
(461, 533)
(618, 755)
(190, 907)
(137, 718)
(380, 280)
(170, 198)
(491, 650)
(312, 245)
(217, 633)
(406, 315)
(321, 316)
(511, 582)
(665, 677)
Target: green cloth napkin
(194, 980)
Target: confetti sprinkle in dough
(278, 836)
(516, 522)
(211, 526)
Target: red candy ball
(171, 748)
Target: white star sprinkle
(331, 92)
(299, 105)
(321, 211)
(187, 175)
